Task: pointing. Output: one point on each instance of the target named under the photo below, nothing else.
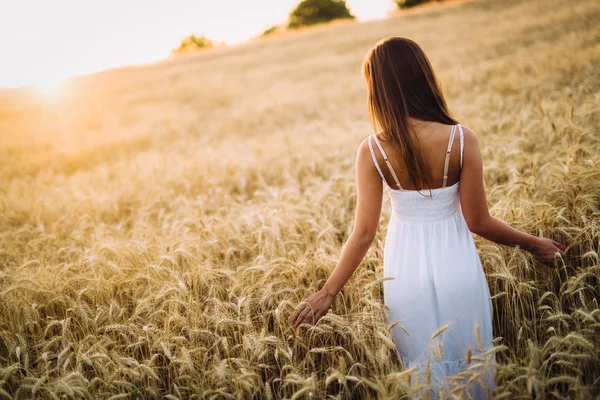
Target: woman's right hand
(544, 250)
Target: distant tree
(194, 43)
(412, 3)
(311, 12)
(272, 29)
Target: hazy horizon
(45, 43)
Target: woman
(432, 169)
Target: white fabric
(438, 279)
(462, 143)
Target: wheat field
(159, 224)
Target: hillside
(158, 224)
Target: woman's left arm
(368, 210)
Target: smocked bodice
(412, 206)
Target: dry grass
(159, 224)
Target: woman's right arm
(476, 212)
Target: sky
(43, 42)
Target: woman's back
(432, 143)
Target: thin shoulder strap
(452, 133)
(387, 162)
(462, 143)
(375, 159)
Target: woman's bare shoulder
(469, 133)
(364, 155)
(471, 140)
(363, 147)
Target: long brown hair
(401, 84)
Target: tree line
(306, 13)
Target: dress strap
(375, 159)
(387, 162)
(452, 133)
(462, 144)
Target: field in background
(158, 225)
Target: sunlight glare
(50, 87)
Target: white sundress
(438, 279)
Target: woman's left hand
(312, 308)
